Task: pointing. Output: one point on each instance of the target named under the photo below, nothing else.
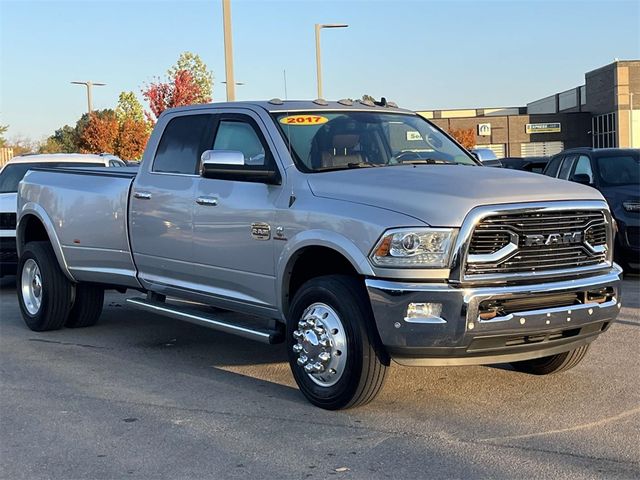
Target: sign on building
(484, 129)
(542, 127)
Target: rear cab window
(182, 143)
(565, 169)
(554, 165)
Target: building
(600, 113)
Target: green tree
(129, 108)
(202, 77)
(66, 138)
(3, 130)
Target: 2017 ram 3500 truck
(360, 233)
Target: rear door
(162, 202)
(233, 231)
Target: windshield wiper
(361, 165)
(425, 161)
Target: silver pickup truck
(356, 233)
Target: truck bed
(88, 210)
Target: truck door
(233, 222)
(162, 202)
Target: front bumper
(461, 337)
(8, 255)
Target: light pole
(320, 26)
(228, 50)
(89, 84)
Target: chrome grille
(495, 232)
(7, 221)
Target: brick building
(600, 113)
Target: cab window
(554, 165)
(583, 167)
(182, 143)
(565, 169)
(240, 136)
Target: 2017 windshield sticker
(304, 120)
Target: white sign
(413, 135)
(484, 129)
(543, 127)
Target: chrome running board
(209, 320)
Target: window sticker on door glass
(304, 120)
(413, 135)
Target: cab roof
(278, 106)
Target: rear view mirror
(582, 178)
(231, 165)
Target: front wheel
(334, 351)
(553, 363)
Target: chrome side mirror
(222, 157)
(231, 165)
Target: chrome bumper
(460, 336)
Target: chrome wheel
(321, 347)
(31, 286)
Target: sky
(421, 54)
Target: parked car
(526, 164)
(487, 157)
(114, 160)
(358, 233)
(11, 174)
(616, 173)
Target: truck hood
(8, 202)
(442, 195)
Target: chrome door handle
(142, 195)
(207, 201)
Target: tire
(87, 306)
(552, 364)
(45, 304)
(354, 351)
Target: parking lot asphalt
(140, 396)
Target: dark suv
(616, 173)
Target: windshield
(322, 141)
(619, 170)
(12, 174)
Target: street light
(228, 50)
(89, 84)
(320, 26)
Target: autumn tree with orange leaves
(188, 83)
(123, 132)
(100, 133)
(464, 136)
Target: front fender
(318, 238)
(34, 209)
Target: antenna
(284, 73)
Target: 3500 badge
(304, 120)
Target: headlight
(631, 206)
(414, 248)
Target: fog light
(424, 313)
